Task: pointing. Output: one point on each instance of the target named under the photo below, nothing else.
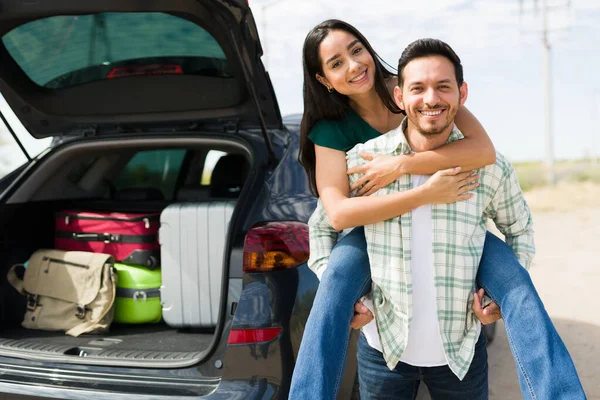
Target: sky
(500, 47)
(501, 51)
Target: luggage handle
(145, 220)
(95, 237)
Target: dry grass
(564, 197)
(533, 174)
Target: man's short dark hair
(429, 47)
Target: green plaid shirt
(459, 231)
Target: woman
(347, 101)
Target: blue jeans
(378, 382)
(544, 366)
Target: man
(424, 263)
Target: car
(151, 104)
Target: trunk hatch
(72, 67)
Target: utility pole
(547, 76)
(596, 132)
(548, 98)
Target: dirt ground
(566, 272)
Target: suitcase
(129, 238)
(192, 244)
(138, 295)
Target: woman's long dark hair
(318, 102)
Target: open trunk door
(87, 67)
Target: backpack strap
(90, 325)
(14, 280)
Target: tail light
(275, 245)
(145, 69)
(246, 336)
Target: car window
(209, 164)
(7, 179)
(152, 169)
(66, 50)
(11, 155)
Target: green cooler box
(138, 295)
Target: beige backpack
(72, 291)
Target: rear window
(209, 165)
(63, 51)
(152, 169)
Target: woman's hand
(486, 315)
(362, 316)
(380, 171)
(449, 186)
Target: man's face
(430, 94)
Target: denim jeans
(378, 382)
(544, 366)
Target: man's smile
(432, 113)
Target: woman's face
(347, 64)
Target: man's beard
(434, 130)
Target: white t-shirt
(424, 346)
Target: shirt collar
(401, 145)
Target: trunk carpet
(121, 337)
(124, 342)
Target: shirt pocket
(464, 215)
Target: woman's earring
(329, 89)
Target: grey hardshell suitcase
(192, 243)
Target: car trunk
(28, 221)
(155, 345)
(107, 77)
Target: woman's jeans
(544, 366)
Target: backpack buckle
(80, 311)
(32, 302)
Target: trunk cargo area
(133, 345)
(195, 282)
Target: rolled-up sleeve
(512, 216)
(322, 236)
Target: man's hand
(486, 315)
(362, 316)
(450, 185)
(380, 171)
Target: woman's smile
(360, 78)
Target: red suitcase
(129, 238)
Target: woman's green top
(342, 134)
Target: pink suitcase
(129, 238)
